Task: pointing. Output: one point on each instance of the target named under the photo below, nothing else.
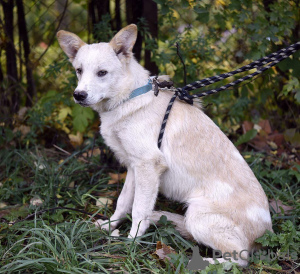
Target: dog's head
(99, 67)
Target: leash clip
(155, 84)
(161, 82)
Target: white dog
(197, 164)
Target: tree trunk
(31, 91)
(134, 11)
(11, 62)
(118, 15)
(150, 14)
(102, 8)
(96, 9)
(1, 71)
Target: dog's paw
(103, 224)
(115, 233)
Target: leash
(261, 65)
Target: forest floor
(50, 198)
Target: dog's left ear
(124, 40)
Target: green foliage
(221, 36)
(103, 31)
(56, 240)
(249, 135)
(81, 117)
(288, 239)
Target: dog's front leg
(147, 176)
(124, 203)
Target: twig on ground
(59, 148)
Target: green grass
(37, 239)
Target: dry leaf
(107, 194)
(92, 152)
(103, 201)
(272, 145)
(23, 129)
(116, 177)
(21, 113)
(247, 126)
(277, 204)
(162, 250)
(76, 140)
(2, 204)
(265, 126)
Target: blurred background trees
(214, 36)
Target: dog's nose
(80, 95)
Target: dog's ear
(70, 43)
(124, 40)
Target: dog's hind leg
(124, 204)
(217, 230)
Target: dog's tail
(176, 219)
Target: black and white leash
(261, 65)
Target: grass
(40, 239)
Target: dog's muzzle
(80, 95)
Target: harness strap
(261, 65)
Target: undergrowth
(50, 237)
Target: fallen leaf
(272, 145)
(76, 140)
(2, 204)
(103, 201)
(162, 250)
(277, 204)
(92, 152)
(116, 177)
(23, 129)
(21, 113)
(265, 126)
(277, 138)
(247, 126)
(292, 136)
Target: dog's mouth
(88, 104)
(83, 104)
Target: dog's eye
(101, 73)
(79, 71)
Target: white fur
(258, 214)
(196, 165)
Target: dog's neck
(134, 77)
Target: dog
(197, 164)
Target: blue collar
(141, 90)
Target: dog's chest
(112, 135)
